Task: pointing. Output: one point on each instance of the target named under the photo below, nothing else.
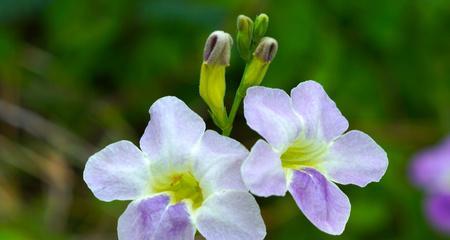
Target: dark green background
(92, 68)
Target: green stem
(240, 94)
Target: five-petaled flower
(185, 178)
(306, 150)
(431, 170)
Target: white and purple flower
(431, 170)
(184, 179)
(306, 150)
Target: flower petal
(117, 172)
(269, 112)
(262, 171)
(355, 158)
(431, 168)
(230, 215)
(438, 211)
(153, 218)
(175, 224)
(322, 202)
(218, 163)
(142, 218)
(322, 119)
(172, 132)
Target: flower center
(180, 186)
(304, 153)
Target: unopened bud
(267, 49)
(261, 25)
(216, 58)
(218, 48)
(258, 65)
(244, 36)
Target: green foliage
(92, 69)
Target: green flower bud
(216, 58)
(258, 65)
(244, 36)
(261, 25)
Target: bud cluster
(253, 46)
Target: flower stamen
(180, 187)
(303, 153)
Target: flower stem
(240, 94)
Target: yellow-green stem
(240, 94)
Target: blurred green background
(76, 75)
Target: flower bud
(244, 36)
(261, 25)
(212, 87)
(218, 48)
(258, 65)
(267, 49)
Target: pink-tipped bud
(267, 49)
(218, 48)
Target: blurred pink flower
(431, 171)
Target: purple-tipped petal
(355, 158)
(322, 119)
(172, 132)
(438, 211)
(269, 112)
(230, 215)
(262, 171)
(142, 217)
(153, 219)
(117, 172)
(322, 202)
(431, 168)
(218, 162)
(175, 224)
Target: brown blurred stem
(57, 136)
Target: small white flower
(185, 178)
(306, 151)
